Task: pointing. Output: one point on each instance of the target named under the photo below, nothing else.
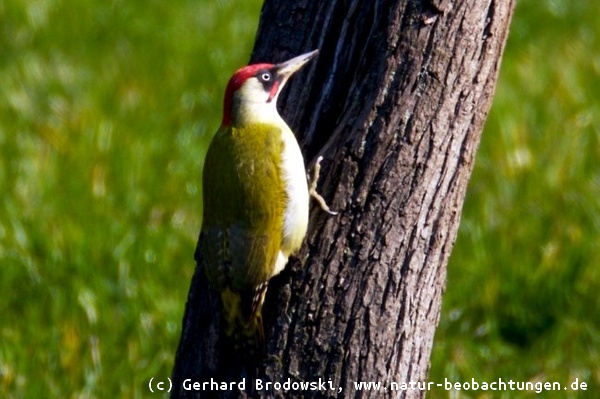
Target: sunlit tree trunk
(395, 103)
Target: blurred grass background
(105, 109)
(523, 294)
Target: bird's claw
(312, 188)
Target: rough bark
(395, 103)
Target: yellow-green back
(244, 202)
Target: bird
(255, 196)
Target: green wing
(244, 200)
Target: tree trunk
(395, 103)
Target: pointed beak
(287, 69)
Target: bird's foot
(312, 188)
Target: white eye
(266, 76)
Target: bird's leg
(312, 188)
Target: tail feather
(243, 320)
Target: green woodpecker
(255, 195)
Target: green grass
(105, 112)
(523, 297)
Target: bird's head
(251, 94)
